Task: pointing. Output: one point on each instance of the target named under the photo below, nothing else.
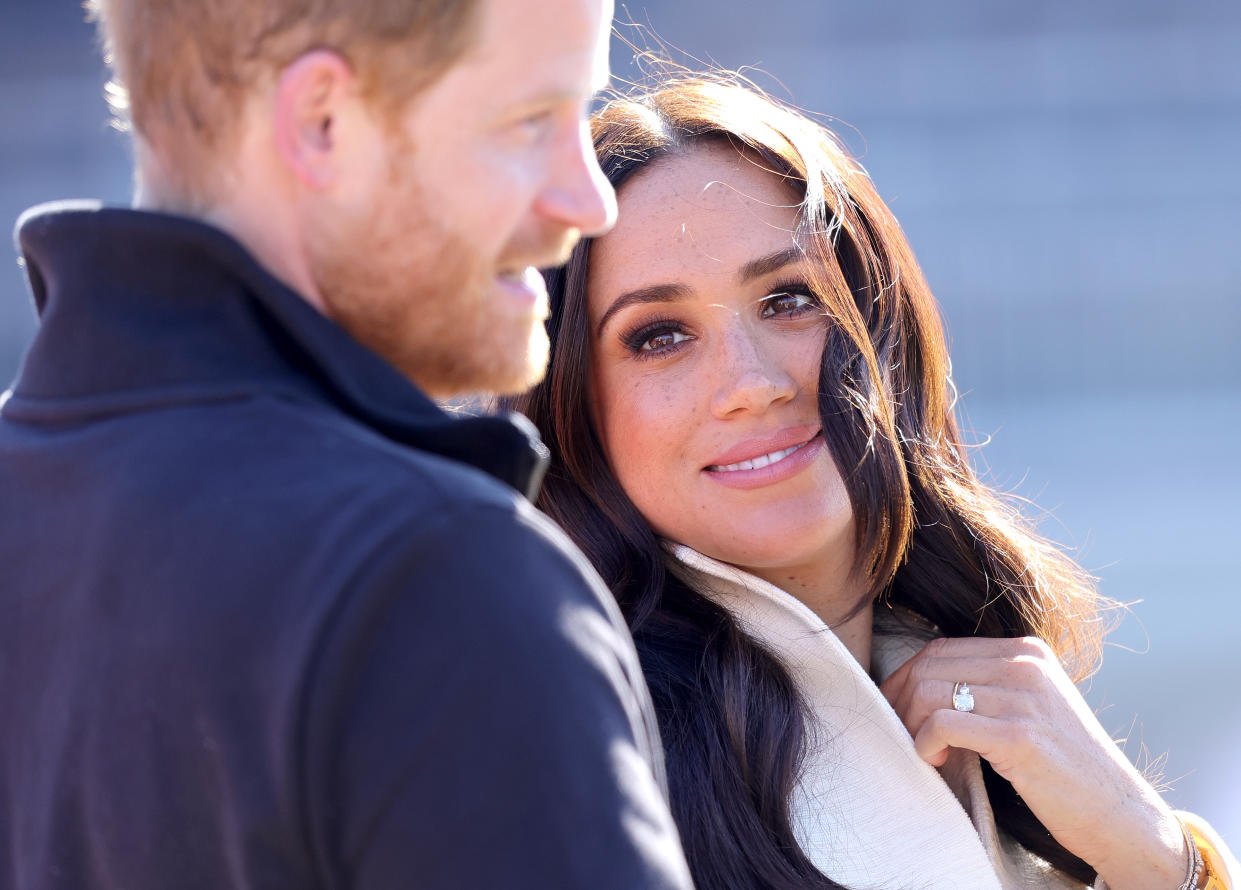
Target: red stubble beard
(419, 295)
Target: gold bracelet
(1206, 867)
(1193, 875)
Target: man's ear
(310, 95)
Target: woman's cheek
(650, 428)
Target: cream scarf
(867, 810)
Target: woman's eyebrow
(670, 293)
(773, 262)
(656, 293)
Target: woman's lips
(766, 467)
(757, 446)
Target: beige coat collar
(867, 810)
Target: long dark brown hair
(930, 535)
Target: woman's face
(706, 345)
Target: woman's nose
(752, 374)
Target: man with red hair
(272, 618)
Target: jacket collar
(866, 809)
(775, 617)
(140, 308)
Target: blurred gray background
(1069, 174)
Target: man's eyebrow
(773, 262)
(552, 96)
(656, 293)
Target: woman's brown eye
(663, 340)
(786, 303)
(658, 337)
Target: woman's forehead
(707, 211)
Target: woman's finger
(926, 697)
(999, 741)
(985, 647)
(921, 672)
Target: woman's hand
(1033, 726)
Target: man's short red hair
(182, 68)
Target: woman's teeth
(757, 463)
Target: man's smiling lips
(527, 286)
(754, 463)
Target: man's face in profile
(489, 174)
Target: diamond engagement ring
(962, 698)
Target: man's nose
(578, 195)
